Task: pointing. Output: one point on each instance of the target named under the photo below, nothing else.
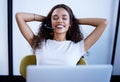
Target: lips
(60, 26)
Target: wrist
(38, 17)
(34, 17)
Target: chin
(60, 32)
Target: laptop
(79, 73)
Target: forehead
(60, 11)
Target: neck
(59, 37)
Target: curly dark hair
(74, 34)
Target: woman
(59, 40)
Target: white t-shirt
(54, 52)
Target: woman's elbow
(17, 15)
(105, 22)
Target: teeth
(60, 26)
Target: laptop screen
(79, 73)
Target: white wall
(116, 66)
(116, 69)
(100, 53)
(3, 38)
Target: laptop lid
(79, 73)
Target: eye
(65, 18)
(55, 17)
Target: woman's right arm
(22, 18)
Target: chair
(31, 60)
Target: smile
(60, 26)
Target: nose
(60, 20)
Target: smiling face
(60, 21)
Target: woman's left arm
(99, 23)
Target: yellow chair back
(31, 60)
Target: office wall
(116, 66)
(3, 38)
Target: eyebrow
(62, 15)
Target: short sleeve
(81, 43)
